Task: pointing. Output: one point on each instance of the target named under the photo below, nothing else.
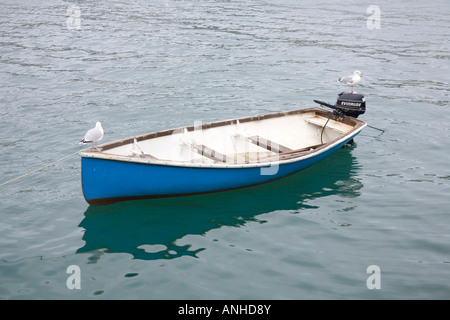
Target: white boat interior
(256, 139)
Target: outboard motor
(351, 104)
(348, 103)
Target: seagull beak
(361, 73)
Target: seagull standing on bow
(93, 135)
(352, 80)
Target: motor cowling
(351, 104)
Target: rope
(382, 130)
(42, 168)
(321, 134)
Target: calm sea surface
(142, 66)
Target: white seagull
(93, 135)
(352, 80)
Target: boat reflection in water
(150, 229)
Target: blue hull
(108, 181)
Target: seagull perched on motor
(93, 135)
(352, 80)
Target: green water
(145, 66)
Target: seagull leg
(97, 148)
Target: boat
(216, 156)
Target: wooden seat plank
(268, 144)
